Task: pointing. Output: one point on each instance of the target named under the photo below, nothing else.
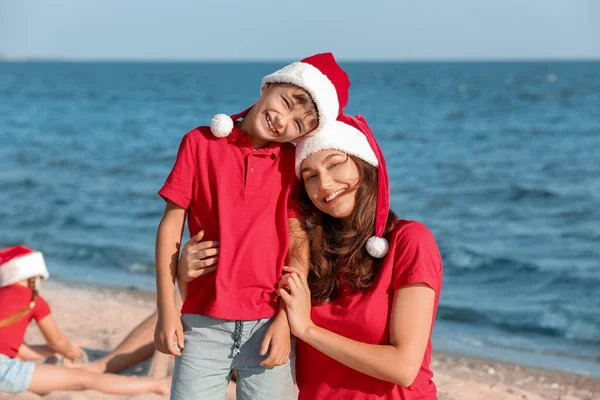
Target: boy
(238, 189)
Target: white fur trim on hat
(23, 267)
(377, 247)
(317, 84)
(221, 125)
(337, 136)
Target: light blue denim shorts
(15, 375)
(210, 354)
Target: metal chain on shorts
(237, 338)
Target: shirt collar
(240, 138)
(235, 135)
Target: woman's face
(331, 178)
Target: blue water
(501, 161)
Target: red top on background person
(19, 305)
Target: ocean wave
(20, 183)
(68, 164)
(101, 256)
(456, 116)
(470, 267)
(549, 323)
(79, 222)
(122, 170)
(150, 214)
(52, 95)
(579, 213)
(466, 260)
(531, 97)
(142, 268)
(519, 192)
(589, 235)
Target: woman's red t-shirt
(413, 257)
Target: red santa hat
(320, 75)
(353, 136)
(20, 262)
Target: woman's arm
(196, 258)
(410, 327)
(56, 339)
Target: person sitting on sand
(138, 346)
(20, 271)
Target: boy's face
(284, 113)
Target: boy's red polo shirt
(239, 196)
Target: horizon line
(277, 60)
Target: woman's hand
(294, 291)
(197, 258)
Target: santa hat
(20, 262)
(353, 136)
(320, 75)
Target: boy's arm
(168, 335)
(278, 334)
(56, 339)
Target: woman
(367, 334)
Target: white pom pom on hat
(221, 125)
(377, 246)
(353, 136)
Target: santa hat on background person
(320, 75)
(353, 136)
(20, 262)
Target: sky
(280, 30)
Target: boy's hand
(278, 340)
(168, 335)
(197, 258)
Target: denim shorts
(15, 375)
(210, 354)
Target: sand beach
(98, 318)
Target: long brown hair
(11, 319)
(337, 252)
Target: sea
(500, 159)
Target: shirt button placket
(250, 180)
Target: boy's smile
(282, 114)
(270, 124)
